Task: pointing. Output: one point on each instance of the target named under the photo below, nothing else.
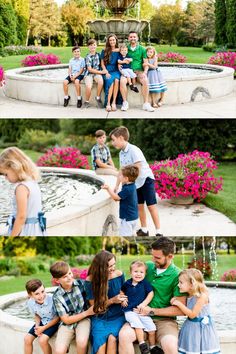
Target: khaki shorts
(166, 326)
(65, 335)
(94, 77)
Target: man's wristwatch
(151, 313)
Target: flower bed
(171, 57)
(19, 50)
(229, 275)
(188, 175)
(224, 59)
(67, 157)
(77, 274)
(40, 59)
(1, 76)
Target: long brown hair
(98, 272)
(108, 50)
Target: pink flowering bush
(1, 76)
(77, 274)
(67, 157)
(171, 57)
(224, 59)
(229, 275)
(189, 175)
(40, 59)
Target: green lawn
(194, 55)
(225, 262)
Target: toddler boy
(124, 65)
(46, 324)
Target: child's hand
(90, 311)
(105, 186)
(141, 306)
(39, 330)
(174, 301)
(124, 303)
(108, 75)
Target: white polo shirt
(131, 155)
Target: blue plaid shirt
(70, 302)
(100, 152)
(92, 61)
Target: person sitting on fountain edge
(138, 54)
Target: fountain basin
(186, 83)
(120, 27)
(14, 328)
(94, 215)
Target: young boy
(101, 156)
(75, 75)
(131, 154)
(140, 294)
(93, 73)
(124, 65)
(128, 212)
(46, 324)
(70, 305)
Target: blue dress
(156, 81)
(112, 320)
(112, 68)
(198, 335)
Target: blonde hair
(16, 160)
(195, 278)
(137, 264)
(152, 48)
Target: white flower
(205, 320)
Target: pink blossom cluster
(67, 157)
(1, 75)
(188, 175)
(229, 275)
(171, 57)
(40, 59)
(224, 59)
(77, 274)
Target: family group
(113, 313)
(114, 69)
(135, 177)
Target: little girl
(27, 218)
(157, 84)
(198, 334)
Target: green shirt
(137, 55)
(165, 285)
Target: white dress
(34, 207)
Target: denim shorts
(49, 332)
(147, 192)
(80, 78)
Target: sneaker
(144, 348)
(86, 104)
(156, 350)
(99, 102)
(125, 106)
(134, 88)
(79, 103)
(148, 107)
(159, 235)
(140, 232)
(66, 101)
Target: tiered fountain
(117, 25)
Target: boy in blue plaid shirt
(70, 305)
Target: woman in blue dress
(109, 62)
(198, 334)
(103, 286)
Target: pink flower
(40, 59)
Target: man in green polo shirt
(162, 274)
(138, 54)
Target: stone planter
(181, 200)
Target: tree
(76, 17)
(22, 9)
(8, 24)
(231, 23)
(166, 23)
(220, 22)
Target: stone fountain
(117, 25)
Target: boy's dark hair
(59, 269)
(91, 41)
(130, 171)
(120, 131)
(166, 245)
(33, 285)
(75, 48)
(133, 32)
(99, 133)
(138, 264)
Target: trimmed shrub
(67, 157)
(20, 50)
(229, 275)
(39, 140)
(209, 47)
(203, 266)
(41, 59)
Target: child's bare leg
(152, 338)
(139, 334)
(154, 100)
(161, 97)
(129, 81)
(134, 81)
(111, 345)
(65, 87)
(78, 87)
(88, 90)
(102, 349)
(44, 344)
(99, 86)
(28, 343)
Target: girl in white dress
(27, 218)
